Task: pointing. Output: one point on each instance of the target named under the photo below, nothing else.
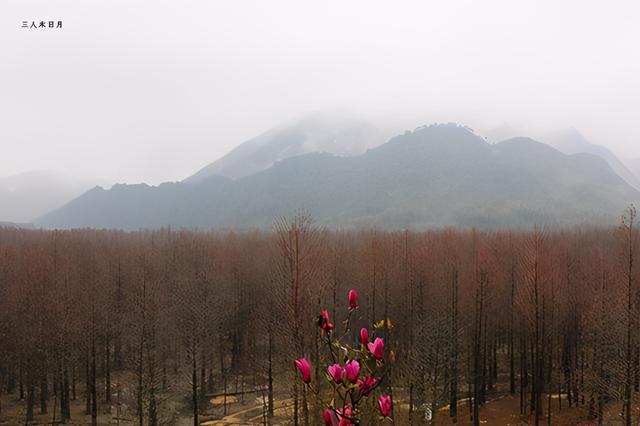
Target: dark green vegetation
(434, 176)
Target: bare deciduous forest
(181, 327)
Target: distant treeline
(170, 315)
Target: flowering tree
(355, 372)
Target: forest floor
(502, 410)
(505, 410)
(248, 412)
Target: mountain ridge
(571, 141)
(440, 175)
(339, 134)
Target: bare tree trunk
(44, 394)
(94, 393)
(107, 359)
(628, 386)
(453, 398)
(87, 386)
(65, 408)
(512, 374)
(194, 386)
(270, 373)
(30, 400)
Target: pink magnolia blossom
(353, 299)
(344, 418)
(336, 372)
(324, 315)
(324, 323)
(329, 419)
(328, 328)
(304, 368)
(367, 385)
(376, 348)
(384, 403)
(352, 370)
(364, 336)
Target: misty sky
(152, 91)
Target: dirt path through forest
(250, 415)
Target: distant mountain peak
(334, 132)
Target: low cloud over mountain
(433, 176)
